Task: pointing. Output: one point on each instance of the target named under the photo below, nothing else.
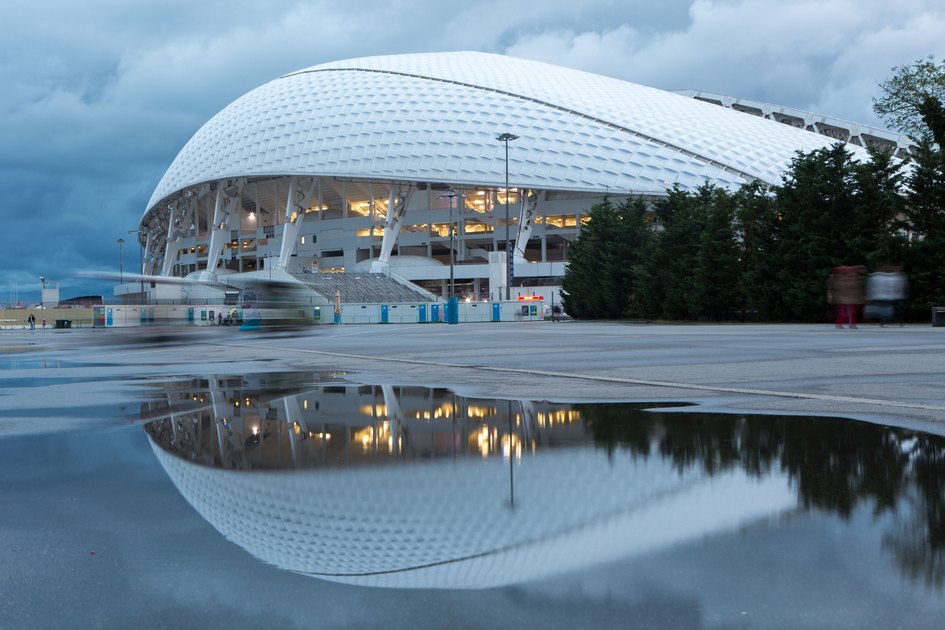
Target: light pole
(42, 291)
(451, 194)
(137, 234)
(121, 272)
(506, 138)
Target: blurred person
(886, 292)
(845, 293)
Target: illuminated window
(476, 227)
(561, 221)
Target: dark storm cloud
(101, 95)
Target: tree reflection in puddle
(422, 488)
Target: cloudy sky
(100, 95)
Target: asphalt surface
(54, 379)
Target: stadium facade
(366, 164)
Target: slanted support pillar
(297, 201)
(179, 221)
(526, 223)
(396, 210)
(225, 218)
(293, 413)
(147, 266)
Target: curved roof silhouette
(434, 118)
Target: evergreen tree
(758, 224)
(670, 262)
(717, 287)
(925, 211)
(598, 282)
(817, 207)
(875, 235)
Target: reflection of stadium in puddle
(420, 488)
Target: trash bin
(938, 315)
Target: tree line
(764, 253)
(836, 465)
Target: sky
(101, 95)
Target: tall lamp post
(121, 272)
(506, 138)
(137, 234)
(42, 291)
(451, 194)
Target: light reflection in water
(415, 487)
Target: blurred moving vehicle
(274, 305)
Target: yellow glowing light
(511, 444)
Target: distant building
(84, 301)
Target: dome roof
(434, 117)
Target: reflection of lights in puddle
(511, 443)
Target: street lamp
(506, 138)
(137, 233)
(121, 273)
(451, 194)
(42, 291)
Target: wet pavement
(475, 476)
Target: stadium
(421, 171)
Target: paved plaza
(57, 379)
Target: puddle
(410, 487)
(279, 499)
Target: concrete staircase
(361, 288)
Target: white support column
(180, 220)
(293, 413)
(173, 241)
(226, 217)
(297, 200)
(394, 416)
(147, 266)
(396, 210)
(526, 222)
(220, 412)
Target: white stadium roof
(434, 118)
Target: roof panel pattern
(434, 118)
(448, 525)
